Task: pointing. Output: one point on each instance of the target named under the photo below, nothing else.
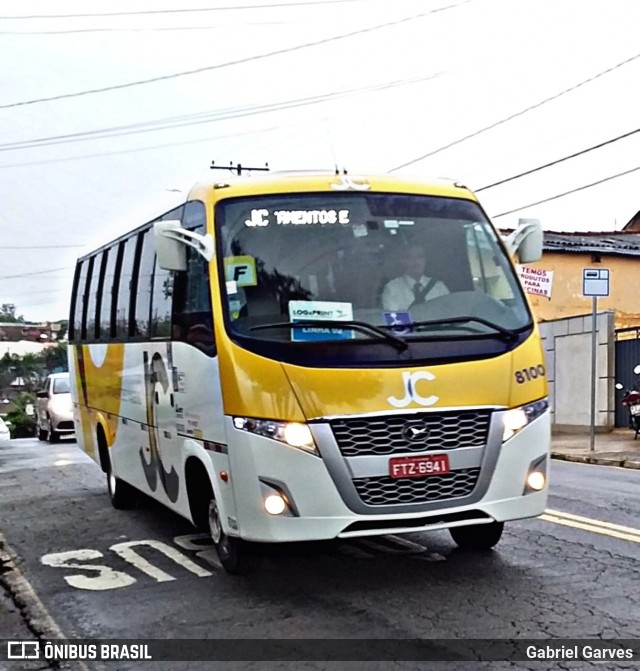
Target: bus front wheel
(477, 536)
(237, 556)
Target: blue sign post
(595, 282)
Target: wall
(566, 296)
(567, 345)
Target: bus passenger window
(108, 293)
(124, 289)
(145, 278)
(78, 301)
(161, 299)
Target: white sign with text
(536, 281)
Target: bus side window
(75, 318)
(161, 300)
(192, 315)
(86, 299)
(109, 290)
(123, 303)
(93, 307)
(144, 287)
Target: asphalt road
(97, 572)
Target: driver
(413, 286)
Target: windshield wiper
(399, 343)
(506, 334)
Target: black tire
(123, 496)
(477, 536)
(42, 434)
(238, 557)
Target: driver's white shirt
(398, 294)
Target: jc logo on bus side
(410, 383)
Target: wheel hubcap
(214, 522)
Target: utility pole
(238, 167)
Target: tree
(64, 328)
(22, 425)
(30, 368)
(54, 359)
(8, 314)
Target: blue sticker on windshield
(401, 321)
(314, 333)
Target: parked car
(5, 434)
(54, 409)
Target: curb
(600, 461)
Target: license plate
(419, 467)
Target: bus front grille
(398, 434)
(380, 491)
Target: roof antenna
(327, 130)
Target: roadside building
(554, 283)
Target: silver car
(54, 409)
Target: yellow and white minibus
(308, 356)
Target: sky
(111, 111)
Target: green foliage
(54, 359)
(20, 423)
(8, 314)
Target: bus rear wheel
(123, 496)
(237, 556)
(477, 536)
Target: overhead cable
(199, 118)
(566, 193)
(178, 10)
(34, 272)
(238, 61)
(557, 161)
(516, 114)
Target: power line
(35, 272)
(560, 160)
(178, 11)
(206, 117)
(238, 61)
(145, 29)
(138, 149)
(39, 247)
(517, 114)
(566, 193)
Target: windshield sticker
(320, 311)
(257, 218)
(401, 321)
(305, 217)
(263, 217)
(241, 270)
(232, 287)
(360, 231)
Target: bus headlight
(516, 419)
(294, 434)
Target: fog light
(536, 481)
(274, 504)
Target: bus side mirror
(526, 240)
(171, 240)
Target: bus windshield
(297, 266)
